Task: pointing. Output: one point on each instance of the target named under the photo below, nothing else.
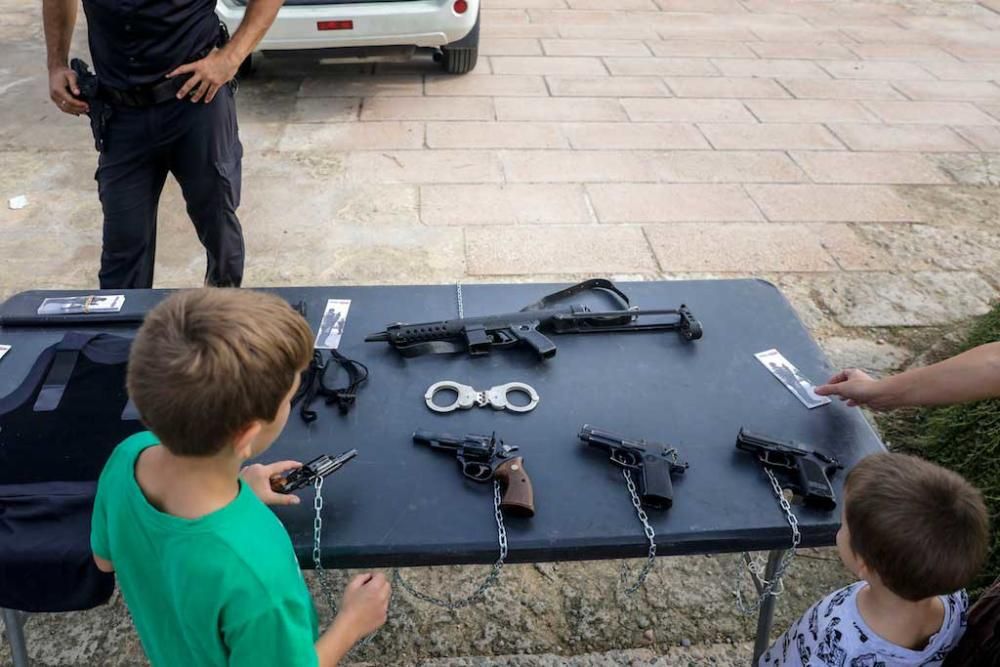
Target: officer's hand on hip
(207, 75)
(63, 89)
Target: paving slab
(782, 136)
(926, 298)
(642, 203)
(877, 137)
(727, 167)
(851, 167)
(832, 203)
(504, 204)
(731, 247)
(500, 251)
(875, 356)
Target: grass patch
(964, 438)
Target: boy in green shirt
(207, 571)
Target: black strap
(587, 285)
(307, 388)
(63, 363)
(357, 374)
(314, 384)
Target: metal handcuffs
(468, 397)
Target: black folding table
(401, 504)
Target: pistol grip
(816, 488)
(539, 342)
(655, 488)
(277, 481)
(515, 486)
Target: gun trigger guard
(621, 461)
(468, 397)
(465, 399)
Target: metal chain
(321, 575)
(650, 535)
(491, 579)
(774, 587)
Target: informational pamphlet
(331, 328)
(792, 378)
(71, 305)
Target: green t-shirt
(224, 589)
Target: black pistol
(90, 92)
(483, 458)
(654, 463)
(806, 472)
(318, 468)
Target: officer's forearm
(58, 19)
(971, 376)
(257, 19)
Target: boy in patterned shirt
(915, 534)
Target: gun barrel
(752, 442)
(379, 337)
(604, 439)
(437, 440)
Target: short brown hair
(922, 528)
(208, 362)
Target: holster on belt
(100, 111)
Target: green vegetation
(964, 438)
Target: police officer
(164, 72)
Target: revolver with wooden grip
(484, 458)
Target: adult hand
(365, 604)
(858, 389)
(62, 90)
(258, 478)
(207, 75)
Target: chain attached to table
(491, 578)
(647, 567)
(487, 583)
(321, 574)
(775, 586)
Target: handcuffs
(468, 397)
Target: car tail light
(460, 6)
(338, 25)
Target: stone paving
(847, 151)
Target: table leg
(765, 618)
(13, 622)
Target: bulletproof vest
(57, 430)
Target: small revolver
(318, 468)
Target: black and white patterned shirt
(833, 634)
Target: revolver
(319, 467)
(654, 463)
(484, 458)
(807, 473)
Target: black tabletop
(402, 504)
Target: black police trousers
(199, 144)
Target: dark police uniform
(134, 44)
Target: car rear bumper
(424, 23)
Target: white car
(352, 28)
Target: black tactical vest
(57, 430)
